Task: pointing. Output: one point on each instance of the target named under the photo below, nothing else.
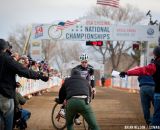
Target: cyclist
(76, 90)
(152, 69)
(86, 70)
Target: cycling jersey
(87, 73)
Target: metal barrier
(30, 86)
(129, 83)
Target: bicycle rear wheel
(58, 121)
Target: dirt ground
(115, 110)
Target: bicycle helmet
(84, 57)
(156, 51)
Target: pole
(27, 41)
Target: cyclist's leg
(71, 111)
(90, 118)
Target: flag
(113, 3)
(64, 25)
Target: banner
(36, 49)
(95, 30)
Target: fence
(30, 86)
(130, 83)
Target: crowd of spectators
(34, 65)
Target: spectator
(15, 56)
(8, 70)
(34, 66)
(146, 85)
(24, 61)
(20, 115)
(103, 81)
(153, 70)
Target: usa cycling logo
(150, 31)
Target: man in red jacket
(152, 69)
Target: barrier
(128, 83)
(30, 86)
(98, 83)
(108, 82)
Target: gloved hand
(122, 74)
(43, 78)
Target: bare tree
(18, 38)
(66, 52)
(127, 14)
(48, 49)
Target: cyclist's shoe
(77, 121)
(62, 112)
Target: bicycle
(59, 121)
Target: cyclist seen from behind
(76, 91)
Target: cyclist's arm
(146, 70)
(92, 81)
(62, 93)
(92, 78)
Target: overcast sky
(24, 12)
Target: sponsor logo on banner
(38, 31)
(150, 31)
